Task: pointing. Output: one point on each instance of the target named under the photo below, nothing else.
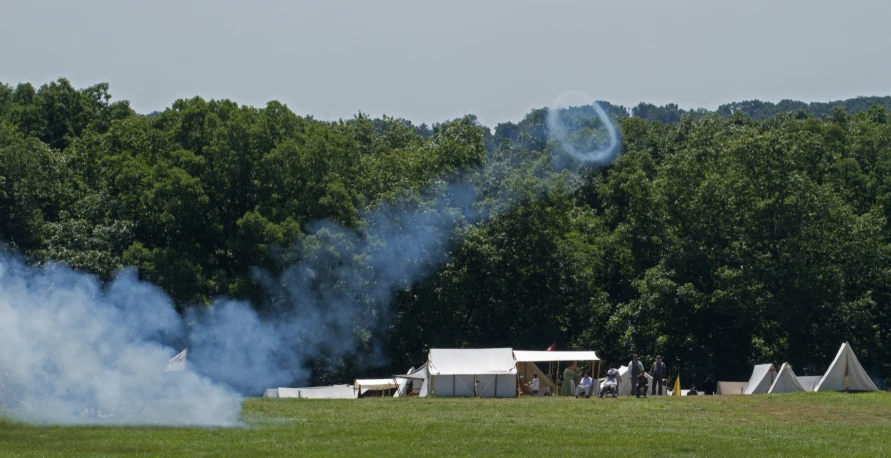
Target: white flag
(177, 363)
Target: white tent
(731, 387)
(271, 393)
(809, 383)
(785, 381)
(485, 373)
(845, 373)
(761, 380)
(378, 384)
(318, 392)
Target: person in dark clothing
(692, 391)
(658, 372)
(709, 387)
(642, 384)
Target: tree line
(755, 233)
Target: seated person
(642, 383)
(585, 384)
(692, 391)
(611, 383)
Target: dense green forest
(755, 233)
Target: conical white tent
(846, 373)
(761, 380)
(785, 381)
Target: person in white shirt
(535, 384)
(585, 384)
(611, 382)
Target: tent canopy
(533, 356)
(761, 380)
(785, 381)
(846, 373)
(376, 384)
(447, 361)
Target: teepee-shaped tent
(785, 381)
(846, 373)
(762, 378)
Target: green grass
(810, 424)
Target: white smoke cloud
(600, 154)
(75, 351)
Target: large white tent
(785, 381)
(761, 380)
(845, 373)
(485, 373)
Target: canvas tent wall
(785, 381)
(363, 386)
(845, 373)
(402, 383)
(486, 373)
(418, 379)
(731, 387)
(762, 378)
(271, 393)
(809, 383)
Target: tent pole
(557, 377)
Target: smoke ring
(557, 132)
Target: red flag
(551, 348)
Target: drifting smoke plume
(597, 153)
(78, 351)
(74, 351)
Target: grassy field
(811, 424)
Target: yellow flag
(677, 386)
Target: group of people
(640, 381)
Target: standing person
(636, 368)
(658, 372)
(536, 383)
(709, 387)
(568, 380)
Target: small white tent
(846, 373)
(785, 381)
(362, 386)
(761, 380)
(809, 382)
(485, 373)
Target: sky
(433, 61)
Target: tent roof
(448, 361)
(785, 381)
(376, 384)
(846, 364)
(760, 381)
(532, 356)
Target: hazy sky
(496, 58)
